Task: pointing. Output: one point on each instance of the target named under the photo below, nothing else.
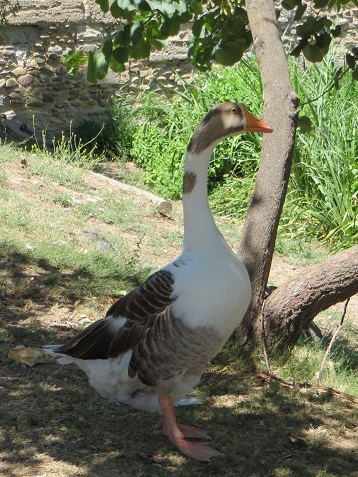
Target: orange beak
(254, 124)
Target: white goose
(152, 346)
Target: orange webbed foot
(195, 450)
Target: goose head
(222, 121)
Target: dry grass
(53, 424)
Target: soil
(53, 424)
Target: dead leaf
(295, 439)
(29, 356)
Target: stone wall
(36, 92)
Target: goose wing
(126, 322)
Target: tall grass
(322, 199)
(323, 192)
(70, 148)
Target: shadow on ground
(53, 423)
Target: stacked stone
(35, 88)
(36, 91)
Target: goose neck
(199, 225)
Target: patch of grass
(63, 199)
(300, 251)
(44, 166)
(69, 149)
(324, 180)
(303, 363)
(51, 239)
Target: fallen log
(163, 206)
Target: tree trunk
(292, 306)
(280, 111)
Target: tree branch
(291, 307)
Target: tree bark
(280, 111)
(292, 306)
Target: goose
(152, 346)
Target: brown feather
(103, 339)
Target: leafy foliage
(220, 32)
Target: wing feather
(126, 323)
(150, 298)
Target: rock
(18, 71)
(57, 50)
(26, 80)
(11, 83)
(91, 235)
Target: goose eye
(234, 110)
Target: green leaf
(313, 53)
(97, 66)
(198, 27)
(136, 33)
(297, 50)
(140, 50)
(118, 12)
(107, 47)
(290, 4)
(116, 66)
(304, 123)
(335, 32)
(300, 11)
(168, 7)
(201, 54)
(104, 5)
(170, 26)
(122, 37)
(321, 23)
(355, 74)
(350, 60)
(120, 54)
(196, 8)
(307, 27)
(159, 44)
(320, 3)
(230, 52)
(129, 5)
(156, 39)
(323, 41)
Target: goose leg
(187, 431)
(195, 450)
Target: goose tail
(52, 350)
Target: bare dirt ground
(53, 424)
